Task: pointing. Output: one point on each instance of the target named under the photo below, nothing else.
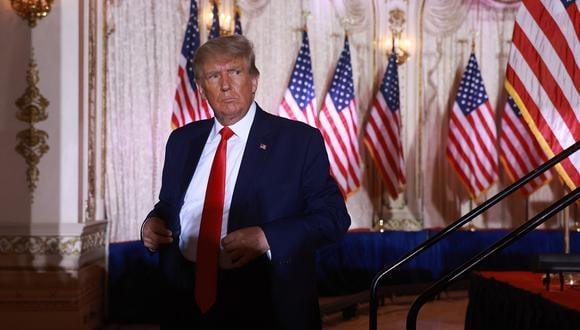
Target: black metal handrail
(516, 234)
(458, 224)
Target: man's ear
(201, 90)
(255, 83)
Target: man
(275, 199)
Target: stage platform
(349, 266)
(344, 269)
(519, 300)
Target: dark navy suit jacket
(283, 186)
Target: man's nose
(225, 83)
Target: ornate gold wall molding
(92, 119)
(32, 141)
(52, 244)
(104, 39)
(96, 111)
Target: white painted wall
(55, 41)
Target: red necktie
(208, 243)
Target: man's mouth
(229, 100)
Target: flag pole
(305, 16)
(471, 226)
(380, 224)
(566, 215)
(375, 223)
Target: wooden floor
(445, 313)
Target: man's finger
(162, 232)
(230, 238)
(233, 245)
(234, 254)
(150, 244)
(236, 263)
(164, 239)
(155, 234)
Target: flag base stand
(562, 279)
(572, 279)
(470, 227)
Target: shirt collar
(242, 128)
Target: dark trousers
(243, 297)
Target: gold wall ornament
(226, 22)
(397, 24)
(32, 10)
(32, 141)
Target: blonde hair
(236, 46)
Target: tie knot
(226, 133)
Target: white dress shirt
(190, 214)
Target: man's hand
(155, 234)
(243, 246)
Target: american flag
(543, 77)
(338, 123)
(237, 22)
(188, 104)
(519, 150)
(383, 130)
(299, 102)
(214, 31)
(472, 140)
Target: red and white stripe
(339, 129)
(520, 152)
(188, 105)
(543, 77)
(290, 109)
(472, 148)
(383, 140)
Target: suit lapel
(255, 155)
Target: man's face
(229, 88)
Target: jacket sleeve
(162, 207)
(325, 218)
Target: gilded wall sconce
(399, 44)
(32, 10)
(225, 20)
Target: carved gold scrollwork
(396, 20)
(32, 143)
